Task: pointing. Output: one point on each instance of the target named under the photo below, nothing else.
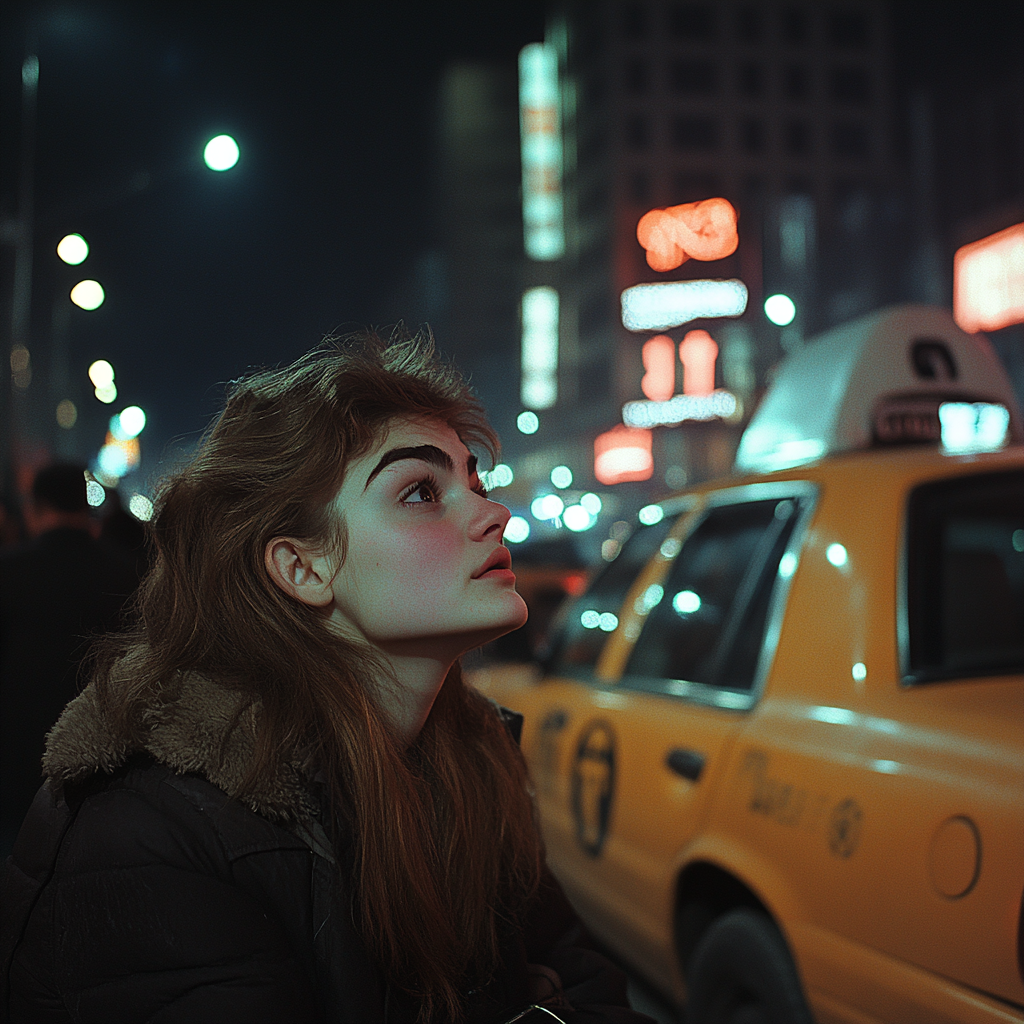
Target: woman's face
(425, 570)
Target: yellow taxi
(778, 744)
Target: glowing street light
(73, 249)
(88, 294)
(128, 423)
(101, 373)
(780, 309)
(221, 153)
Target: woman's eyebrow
(428, 453)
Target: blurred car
(778, 747)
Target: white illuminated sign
(719, 404)
(539, 384)
(656, 307)
(540, 130)
(973, 426)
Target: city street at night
(476, 476)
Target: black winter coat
(139, 891)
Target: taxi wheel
(742, 973)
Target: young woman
(277, 800)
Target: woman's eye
(424, 491)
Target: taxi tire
(742, 973)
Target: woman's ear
(300, 571)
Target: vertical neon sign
(540, 127)
(539, 385)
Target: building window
(634, 77)
(637, 133)
(693, 188)
(690, 132)
(634, 21)
(850, 85)
(798, 138)
(693, 77)
(850, 139)
(692, 21)
(751, 79)
(752, 135)
(749, 26)
(796, 82)
(794, 25)
(849, 30)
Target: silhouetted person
(120, 529)
(57, 590)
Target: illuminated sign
(539, 384)
(974, 426)
(701, 231)
(657, 307)
(540, 133)
(622, 454)
(717, 405)
(659, 355)
(697, 353)
(988, 282)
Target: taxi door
(649, 733)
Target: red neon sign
(659, 355)
(703, 231)
(988, 281)
(623, 453)
(698, 353)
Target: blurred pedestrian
(277, 799)
(121, 530)
(58, 590)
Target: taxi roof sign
(877, 380)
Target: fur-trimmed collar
(200, 728)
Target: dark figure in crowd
(58, 591)
(277, 799)
(121, 530)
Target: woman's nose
(491, 516)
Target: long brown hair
(446, 851)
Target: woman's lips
(498, 574)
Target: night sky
(208, 274)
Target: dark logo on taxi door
(593, 786)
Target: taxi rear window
(965, 577)
(707, 629)
(586, 623)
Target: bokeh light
(141, 507)
(67, 414)
(73, 249)
(101, 373)
(527, 422)
(94, 493)
(517, 530)
(88, 294)
(651, 514)
(547, 506)
(780, 309)
(577, 518)
(131, 421)
(561, 477)
(221, 153)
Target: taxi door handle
(688, 763)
